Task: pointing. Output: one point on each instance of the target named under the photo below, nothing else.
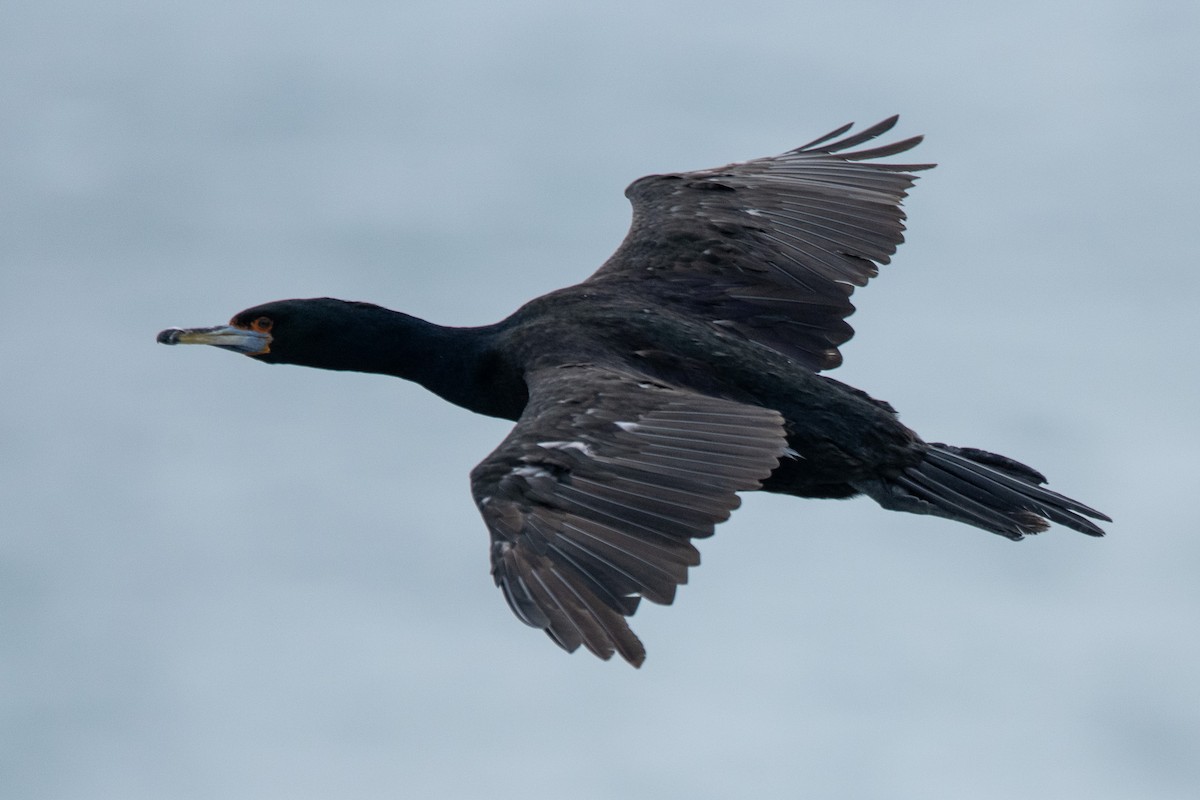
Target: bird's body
(684, 371)
(843, 434)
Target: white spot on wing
(529, 471)
(580, 446)
(628, 426)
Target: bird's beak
(239, 340)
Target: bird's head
(309, 332)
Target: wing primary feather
(579, 627)
(617, 634)
(822, 139)
(623, 603)
(865, 135)
(645, 519)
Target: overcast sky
(219, 579)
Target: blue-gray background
(219, 579)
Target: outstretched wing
(770, 248)
(592, 501)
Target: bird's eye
(262, 324)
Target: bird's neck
(461, 365)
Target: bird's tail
(983, 489)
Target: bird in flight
(683, 371)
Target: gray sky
(219, 579)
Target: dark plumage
(683, 371)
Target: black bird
(683, 371)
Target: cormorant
(685, 370)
